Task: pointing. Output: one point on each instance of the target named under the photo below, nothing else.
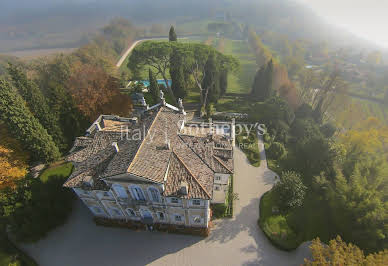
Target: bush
(219, 210)
(276, 151)
(290, 191)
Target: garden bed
(249, 145)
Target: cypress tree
(153, 88)
(223, 82)
(211, 82)
(262, 88)
(37, 104)
(177, 75)
(25, 127)
(172, 35)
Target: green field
(63, 170)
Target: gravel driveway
(237, 241)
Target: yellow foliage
(369, 135)
(339, 252)
(13, 159)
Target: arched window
(154, 194)
(120, 191)
(137, 193)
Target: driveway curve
(235, 241)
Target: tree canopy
(27, 129)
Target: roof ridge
(141, 144)
(188, 170)
(220, 161)
(196, 153)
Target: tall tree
(176, 73)
(13, 159)
(153, 54)
(53, 79)
(172, 35)
(211, 82)
(223, 81)
(27, 129)
(96, 92)
(154, 88)
(37, 104)
(262, 88)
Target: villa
(156, 171)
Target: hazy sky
(365, 18)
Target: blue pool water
(160, 81)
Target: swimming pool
(160, 81)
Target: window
(197, 219)
(175, 200)
(137, 193)
(120, 191)
(81, 192)
(161, 216)
(131, 212)
(154, 194)
(115, 212)
(97, 210)
(196, 202)
(218, 178)
(217, 188)
(178, 218)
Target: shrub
(276, 151)
(290, 191)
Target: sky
(366, 18)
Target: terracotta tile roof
(220, 160)
(178, 173)
(163, 149)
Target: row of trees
(187, 63)
(62, 95)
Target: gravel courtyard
(237, 241)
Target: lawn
(241, 81)
(275, 226)
(63, 170)
(11, 255)
(249, 145)
(288, 230)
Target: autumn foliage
(95, 92)
(341, 253)
(13, 159)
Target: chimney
(162, 100)
(168, 145)
(184, 188)
(114, 144)
(181, 108)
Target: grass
(275, 226)
(11, 255)
(241, 81)
(63, 170)
(288, 230)
(249, 145)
